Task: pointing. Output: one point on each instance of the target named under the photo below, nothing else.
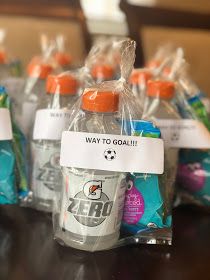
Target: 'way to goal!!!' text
(108, 141)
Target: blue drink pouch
(145, 207)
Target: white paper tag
(184, 133)
(91, 204)
(50, 123)
(112, 152)
(5, 124)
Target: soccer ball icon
(109, 154)
(175, 136)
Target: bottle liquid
(158, 107)
(93, 223)
(46, 174)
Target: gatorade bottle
(33, 92)
(158, 107)
(103, 72)
(49, 124)
(83, 226)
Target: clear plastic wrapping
(61, 56)
(104, 59)
(193, 106)
(193, 169)
(88, 212)
(34, 88)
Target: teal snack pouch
(144, 201)
(8, 193)
(17, 153)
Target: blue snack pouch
(145, 206)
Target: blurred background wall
(84, 21)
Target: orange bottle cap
(63, 59)
(63, 84)
(160, 89)
(36, 60)
(153, 64)
(100, 101)
(166, 71)
(140, 76)
(39, 70)
(104, 71)
(3, 57)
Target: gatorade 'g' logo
(93, 189)
(91, 206)
(49, 174)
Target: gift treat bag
(105, 148)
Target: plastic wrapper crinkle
(13, 173)
(106, 159)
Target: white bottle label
(46, 174)
(50, 123)
(5, 124)
(184, 133)
(92, 205)
(112, 152)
